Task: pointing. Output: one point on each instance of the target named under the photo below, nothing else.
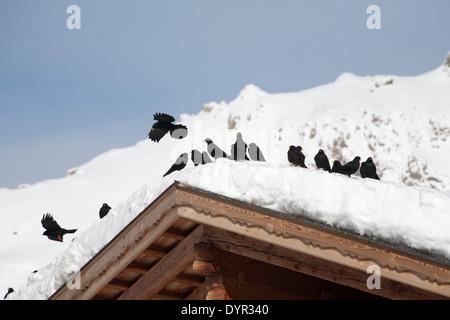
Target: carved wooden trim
(313, 240)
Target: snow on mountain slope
(402, 122)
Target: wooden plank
(123, 249)
(174, 234)
(313, 240)
(159, 253)
(135, 267)
(191, 280)
(119, 284)
(175, 262)
(169, 295)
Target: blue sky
(66, 96)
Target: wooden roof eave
(223, 216)
(312, 239)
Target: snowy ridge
(402, 122)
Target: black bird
(104, 210)
(205, 158)
(336, 166)
(351, 167)
(322, 162)
(255, 153)
(214, 150)
(179, 164)
(368, 169)
(296, 157)
(239, 149)
(53, 230)
(163, 125)
(10, 290)
(196, 157)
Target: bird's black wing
(157, 133)
(49, 223)
(163, 117)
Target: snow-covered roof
(411, 217)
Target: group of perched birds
(366, 169)
(238, 153)
(164, 125)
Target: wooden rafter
(168, 268)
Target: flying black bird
(336, 166)
(368, 169)
(296, 157)
(255, 153)
(322, 162)
(351, 167)
(163, 125)
(179, 164)
(239, 149)
(205, 158)
(10, 290)
(104, 210)
(214, 150)
(53, 230)
(196, 157)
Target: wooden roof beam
(165, 270)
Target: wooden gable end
(191, 244)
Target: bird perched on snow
(296, 156)
(336, 166)
(368, 169)
(179, 164)
(205, 158)
(52, 230)
(164, 125)
(104, 210)
(196, 157)
(255, 153)
(351, 167)
(322, 162)
(239, 149)
(214, 150)
(10, 290)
